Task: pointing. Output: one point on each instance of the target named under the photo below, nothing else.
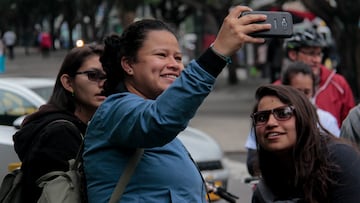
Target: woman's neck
(285, 156)
(83, 115)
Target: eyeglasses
(281, 114)
(93, 75)
(312, 54)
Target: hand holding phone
(281, 24)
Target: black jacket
(43, 147)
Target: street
(224, 115)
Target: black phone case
(281, 24)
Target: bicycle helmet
(307, 38)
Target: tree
(342, 17)
(172, 11)
(88, 10)
(127, 11)
(8, 9)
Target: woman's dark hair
(127, 45)
(60, 97)
(295, 68)
(309, 168)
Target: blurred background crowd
(63, 24)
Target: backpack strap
(48, 176)
(73, 126)
(126, 175)
(37, 140)
(74, 165)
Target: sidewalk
(34, 64)
(225, 114)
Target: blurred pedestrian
(275, 58)
(152, 98)
(333, 92)
(9, 39)
(297, 161)
(300, 76)
(2, 56)
(43, 146)
(45, 43)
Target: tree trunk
(71, 40)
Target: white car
(18, 97)
(21, 96)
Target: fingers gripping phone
(281, 24)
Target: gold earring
(72, 94)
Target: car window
(44, 92)
(13, 106)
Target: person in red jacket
(333, 92)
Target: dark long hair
(127, 45)
(61, 98)
(308, 171)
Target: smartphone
(281, 24)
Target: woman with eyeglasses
(43, 146)
(333, 92)
(300, 76)
(298, 160)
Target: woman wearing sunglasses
(297, 160)
(43, 146)
(300, 76)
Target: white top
(9, 38)
(327, 120)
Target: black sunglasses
(281, 114)
(93, 75)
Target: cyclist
(333, 93)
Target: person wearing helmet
(333, 92)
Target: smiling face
(158, 64)
(275, 135)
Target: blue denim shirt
(126, 121)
